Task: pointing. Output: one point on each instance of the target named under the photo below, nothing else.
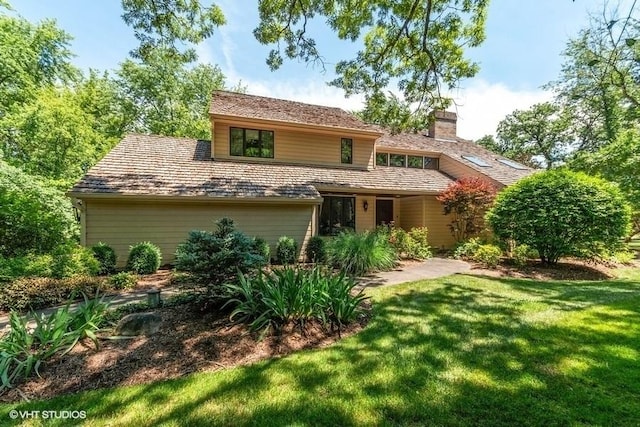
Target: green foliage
(216, 258)
(522, 253)
(419, 247)
(466, 249)
(23, 349)
(467, 201)
(622, 257)
(394, 114)
(561, 213)
(25, 266)
(261, 247)
(316, 250)
(286, 250)
(174, 105)
(170, 24)
(488, 255)
(144, 258)
(33, 217)
(418, 44)
(123, 280)
(106, 256)
(40, 292)
(617, 162)
(542, 131)
(360, 253)
(73, 260)
(294, 296)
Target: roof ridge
(280, 99)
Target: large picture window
(337, 214)
(251, 142)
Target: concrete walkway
(429, 269)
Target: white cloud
(482, 105)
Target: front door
(384, 211)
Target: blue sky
(521, 53)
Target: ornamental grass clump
(360, 253)
(294, 296)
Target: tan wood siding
(300, 147)
(412, 212)
(121, 223)
(457, 170)
(365, 220)
(437, 223)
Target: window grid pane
(382, 159)
(251, 143)
(397, 160)
(414, 162)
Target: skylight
(477, 161)
(513, 164)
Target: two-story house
(276, 168)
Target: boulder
(138, 324)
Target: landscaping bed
(568, 269)
(188, 341)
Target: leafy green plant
(466, 250)
(73, 260)
(123, 280)
(360, 253)
(106, 256)
(262, 248)
(34, 218)
(286, 250)
(144, 258)
(316, 250)
(418, 243)
(488, 255)
(294, 295)
(22, 349)
(522, 253)
(39, 292)
(398, 238)
(562, 213)
(29, 265)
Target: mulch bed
(570, 269)
(188, 341)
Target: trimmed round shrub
(419, 247)
(488, 255)
(466, 250)
(123, 280)
(286, 250)
(144, 258)
(562, 213)
(522, 253)
(316, 250)
(73, 260)
(106, 256)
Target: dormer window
(346, 150)
(407, 161)
(251, 143)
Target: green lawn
(455, 351)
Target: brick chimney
(443, 124)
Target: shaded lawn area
(454, 351)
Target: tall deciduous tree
(166, 95)
(418, 45)
(170, 24)
(540, 136)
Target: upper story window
(397, 160)
(382, 159)
(346, 150)
(251, 142)
(410, 161)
